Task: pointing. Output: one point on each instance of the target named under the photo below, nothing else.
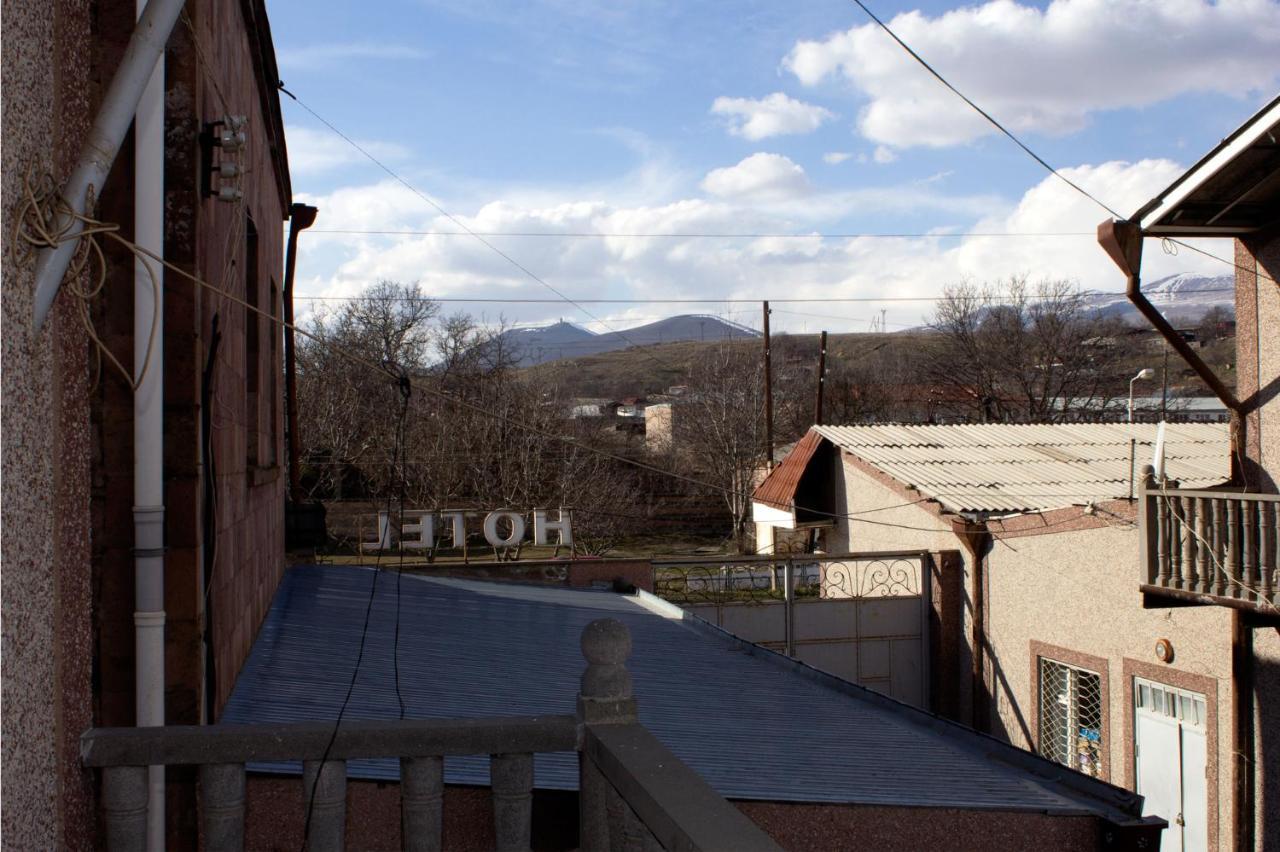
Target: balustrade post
(421, 804)
(512, 779)
(326, 800)
(1190, 580)
(604, 698)
(222, 806)
(1149, 527)
(1204, 553)
(1219, 546)
(1233, 549)
(1162, 530)
(1249, 548)
(124, 798)
(1268, 545)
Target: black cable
(445, 213)
(405, 388)
(982, 112)
(700, 236)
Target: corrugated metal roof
(1032, 467)
(779, 487)
(752, 723)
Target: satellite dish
(1157, 455)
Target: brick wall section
(205, 237)
(275, 808)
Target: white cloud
(835, 158)
(312, 151)
(774, 115)
(807, 266)
(307, 57)
(765, 177)
(1044, 70)
(884, 155)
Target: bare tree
(1020, 353)
(719, 428)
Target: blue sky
(747, 117)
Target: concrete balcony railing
(1210, 547)
(633, 793)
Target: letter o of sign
(491, 529)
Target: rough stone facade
(1258, 388)
(68, 594)
(48, 799)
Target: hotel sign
(423, 530)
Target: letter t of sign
(541, 526)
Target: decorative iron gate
(860, 616)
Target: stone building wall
(47, 695)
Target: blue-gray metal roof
(754, 724)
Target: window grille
(1071, 716)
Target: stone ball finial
(606, 641)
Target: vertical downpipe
(148, 432)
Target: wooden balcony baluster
(1190, 579)
(1219, 546)
(1248, 552)
(1162, 539)
(1232, 561)
(1204, 545)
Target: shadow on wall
(1003, 708)
(1266, 732)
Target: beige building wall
(1077, 591)
(878, 516)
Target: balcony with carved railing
(633, 792)
(1216, 548)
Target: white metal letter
(458, 527)
(425, 529)
(491, 529)
(383, 541)
(541, 526)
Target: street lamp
(1144, 373)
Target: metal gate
(863, 617)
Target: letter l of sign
(458, 527)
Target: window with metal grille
(1071, 716)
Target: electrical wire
(701, 236)
(458, 222)
(512, 300)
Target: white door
(1170, 757)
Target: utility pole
(1164, 386)
(768, 395)
(822, 378)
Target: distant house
(1062, 658)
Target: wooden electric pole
(822, 378)
(768, 395)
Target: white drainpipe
(148, 431)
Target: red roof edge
(779, 487)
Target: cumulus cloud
(835, 158)
(312, 151)
(1044, 70)
(766, 177)
(884, 155)
(774, 115)
(307, 57)
(805, 266)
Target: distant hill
(560, 340)
(1185, 297)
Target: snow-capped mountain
(566, 340)
(1185, 297)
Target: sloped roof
(1233, 191)
(1033, 467)
(779, 487)
(754, 724)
